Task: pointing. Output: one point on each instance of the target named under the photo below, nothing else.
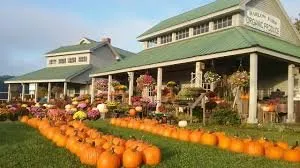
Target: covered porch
(272, 66)
(50, 83)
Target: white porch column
(109, 88)
(23, 91)
(36, 92)
(159, 87)
(252, 119)
(9, 93)
(92, 90)
(291, 85)
(199, 74)
(49, 92)
(211, 26)
(65, 89)
(131, 86)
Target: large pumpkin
(254, 148)
(132, 112)
(24, 119)
(132, 158)
(283, 145)
(108, 159)
(292, 155)
(152, 156)
(195, 136)
(90, 156)
(224, 142)
(184, 135)
(209, 139)
(237, 145)
(274, 152)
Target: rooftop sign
(262, 21)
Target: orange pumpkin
(184, 135)
(224, 142)
(132, 158)
(90, 156)
(209, 139)
(195, 136)
(61, 140)
(113, 121)
(132, 112)
(254, 148)
(274, 152)
(108, 159)
(175, 134)
(236, 145)
(292, 155)
(152, 156)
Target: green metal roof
(79, 47)
(124, 53)
(222, 41)
(213, 7)
(50, 73)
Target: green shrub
(226, 116)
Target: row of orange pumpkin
(95, 148)
(262, 147)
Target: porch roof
(222, 41)
(53, 74)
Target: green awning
(227, 40)
(53, 74)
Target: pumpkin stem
(296, 145)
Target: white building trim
(225, 11)
(67, 53)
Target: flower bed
(95, 148)
(262, 147)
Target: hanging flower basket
(239, 79)
(101, 84)
(144, 81)
(211, 77)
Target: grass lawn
(22, 146)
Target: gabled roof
(213, 7)
(79, 47)
(124, 53)
(227, 40)
(60, 74)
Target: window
(72, 60)
(62, 61)
(52, 61)
(166, 39)
(222, 23)
(152, 43)
(82, 59)
(199, 29)
(182, 34)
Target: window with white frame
(182, 34)
(202, 28)
(52, 61)
(62, 61)
(223, 22)
(166, 39)
(72, 60)
(82, 59)
(152, 43)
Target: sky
(30, 28)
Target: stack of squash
(261, 147)
(95, 148)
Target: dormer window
(72, 60)
(52, 61)
(182, 34)
(166, 39)
(152, 43)
(202, 28)
(62, 61)
(222, 23)
(82, 59)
